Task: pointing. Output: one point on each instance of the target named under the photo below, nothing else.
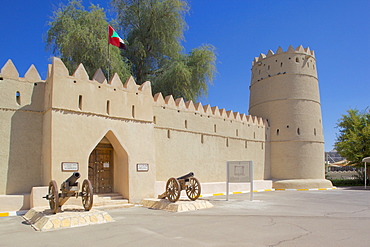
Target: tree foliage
(154, 30)
(80, 36)
(353, 141)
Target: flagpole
(108, 54)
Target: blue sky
(337, 30)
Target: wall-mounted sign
(142, 167)
(69, 166)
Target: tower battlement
(293, 61)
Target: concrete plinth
(42, 219)
(302, 184)
(179, 206)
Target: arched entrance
(101, 167)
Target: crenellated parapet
(112, 98)
(293, 61)
(204, 120)
(21, 93)
(206, 111)
(9, 71)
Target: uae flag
(114, 39)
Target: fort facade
(110, 130)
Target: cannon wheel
(173, 190)
(87, 195)
(53, 196)
(193, 189)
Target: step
(111, 199)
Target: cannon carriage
(174, 186)
(70, 188)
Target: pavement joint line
(23, 212)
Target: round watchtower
(284, 91)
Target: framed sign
(70, 166)
(142, 167)
(239, 172)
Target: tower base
(302, 184)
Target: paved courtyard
(338, 217)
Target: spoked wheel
(173, 190)
(193, 189)
(87, 195)
(53, 196)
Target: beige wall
(21, 129)
(200, 139)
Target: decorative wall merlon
(9, 70)
(190, 106)
(170, 101)
(158, 98)
(32, 75)
(146, 87)
(116, 81)
(216, 111)
(99, 77)
(80, 73)
(199, 107)
(58, 68)
(207, 109)
(130, 84)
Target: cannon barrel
(187, 176)
(72, 179)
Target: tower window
(281, 64)
(133, 111)
(227, 142)
(18, 97)
(277, 132)
(186, 124)
(108, 107)
(202, 139)
(297, 59)
(80, 102)
(215, 128)
(237, 132)
(154, 119)
(246, 144)
(298, 131)
(314, 131)
(168, 134)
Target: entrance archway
(108, 166)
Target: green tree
(154, 30)
(80, 36)
(353, 141)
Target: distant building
(333, 156)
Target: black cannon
(187, 182)
(69, 188)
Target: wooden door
(101, 170)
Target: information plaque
(69, 166)
(142, 167)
